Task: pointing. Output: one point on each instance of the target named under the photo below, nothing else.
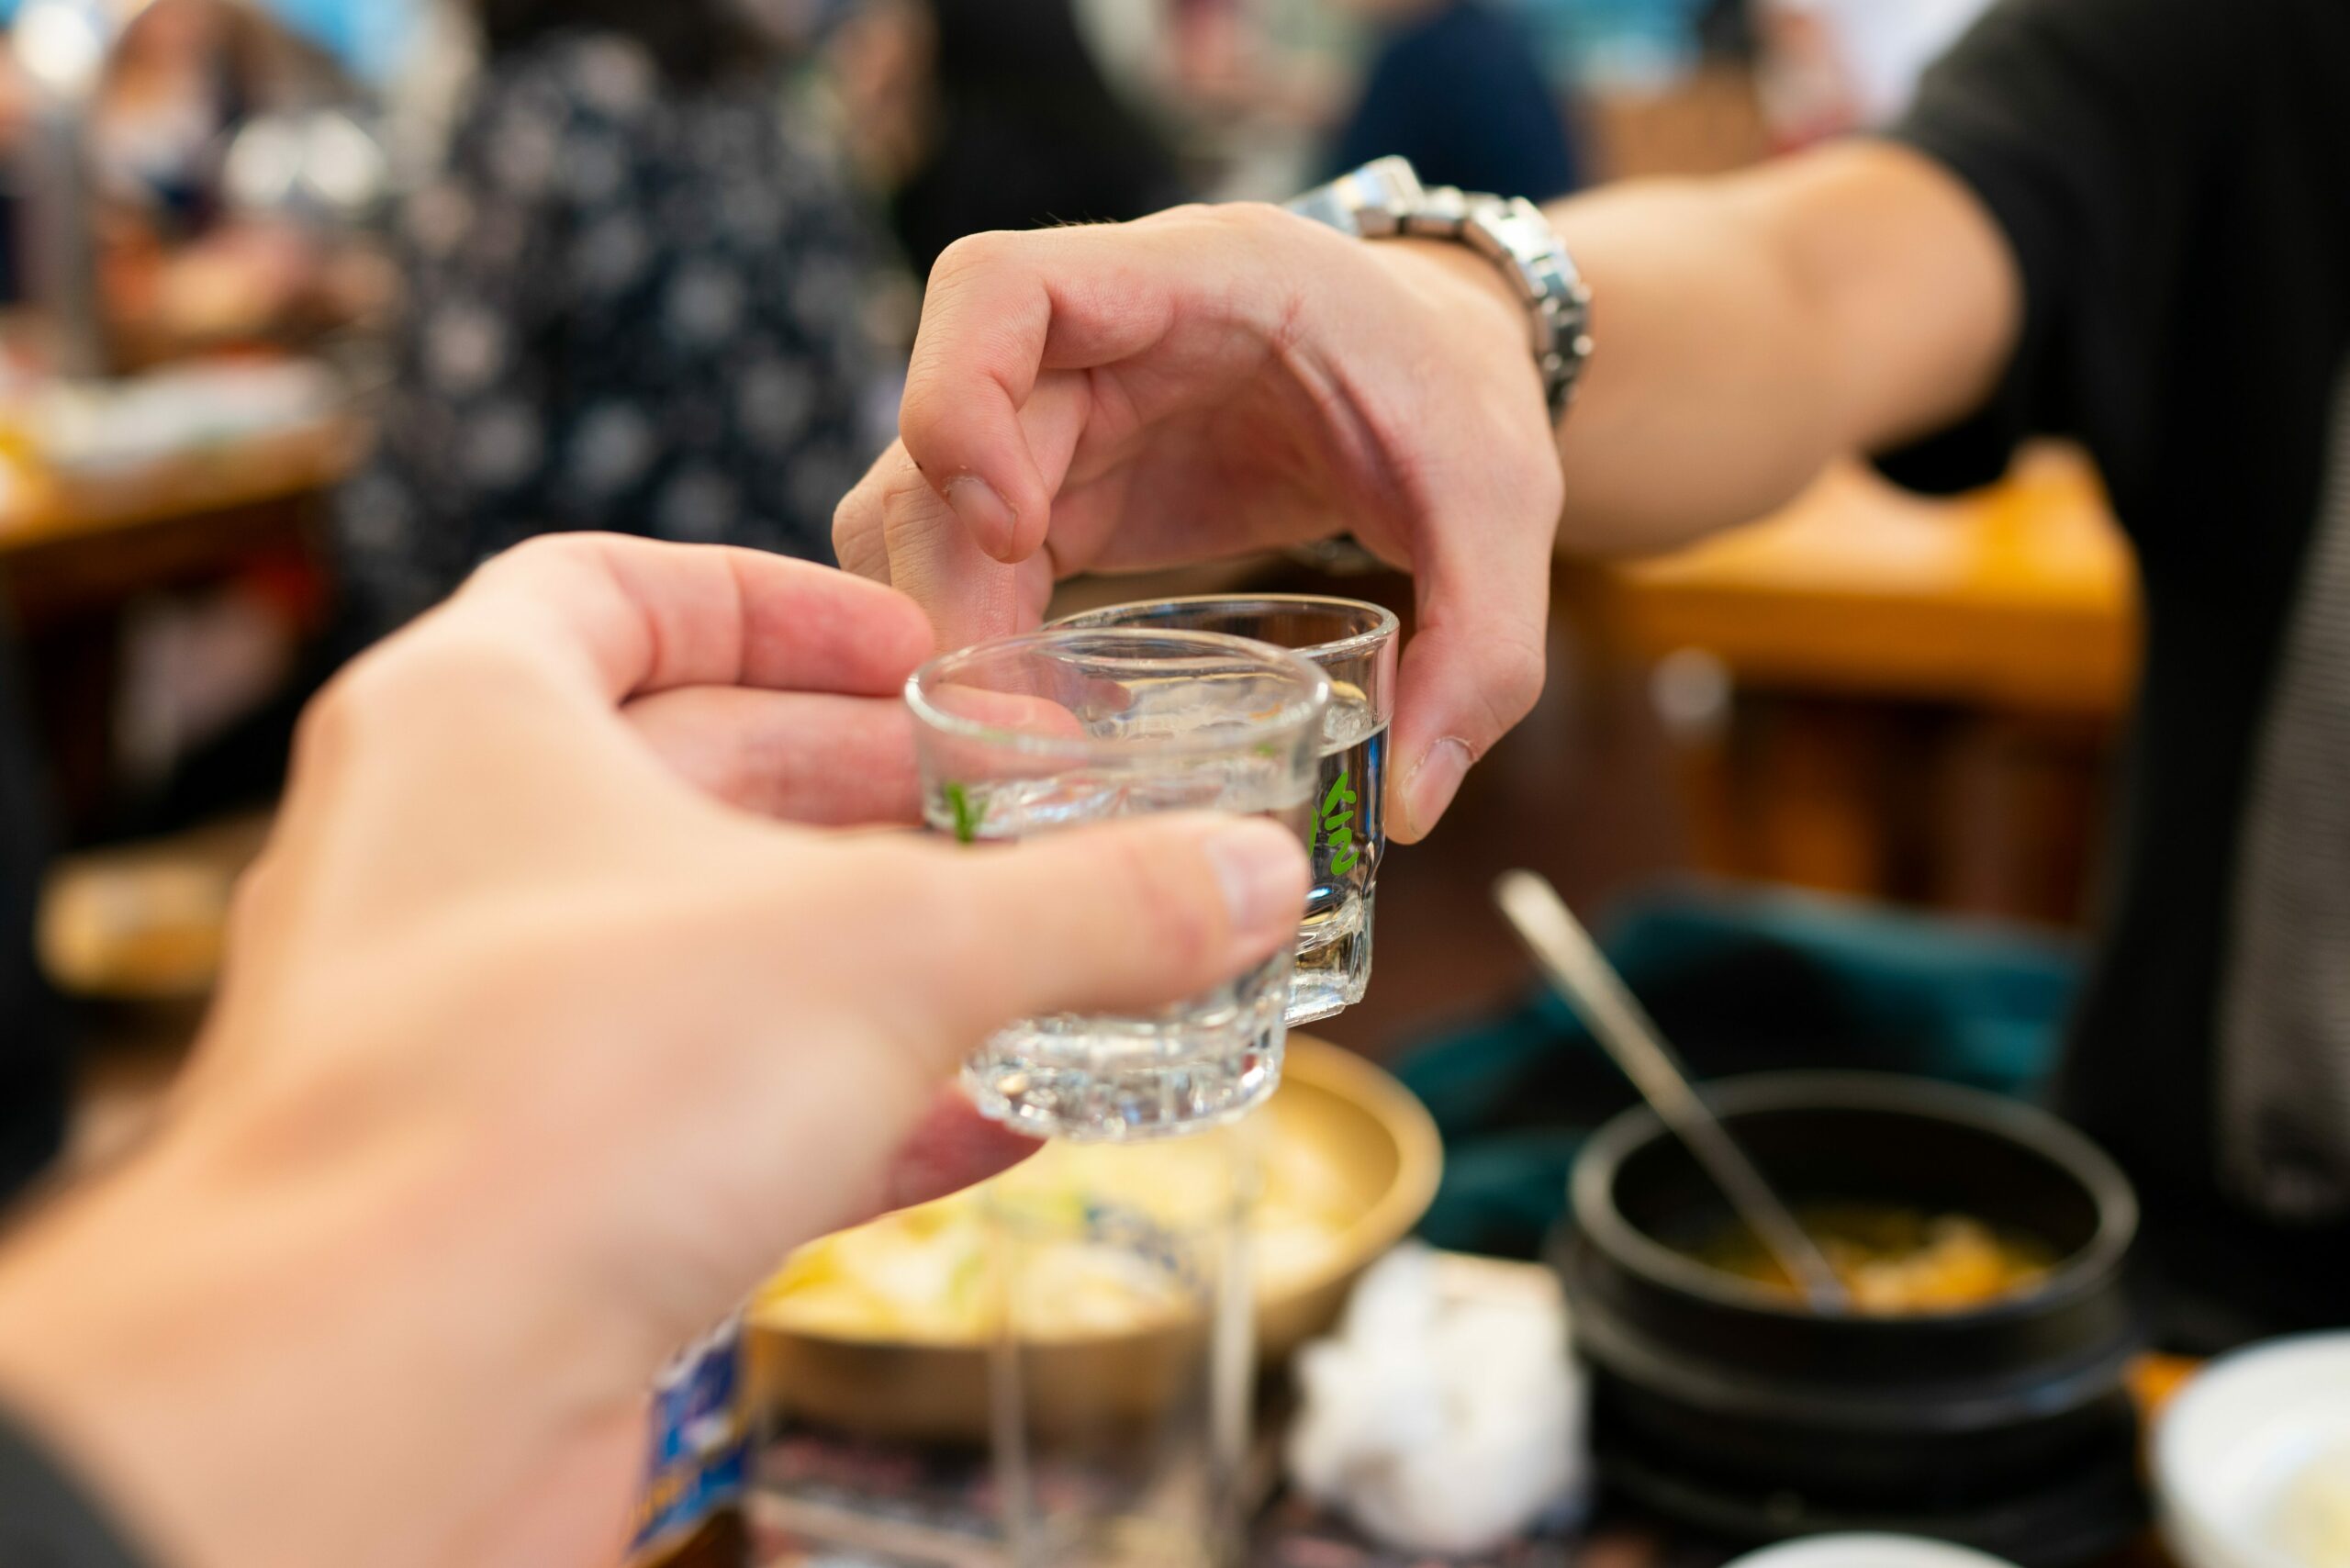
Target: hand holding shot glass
(1353, 644)
(1064, 727)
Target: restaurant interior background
(211, 211)
(1874, 695)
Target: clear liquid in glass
(1201, 1062)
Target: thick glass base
(1095, 1080)
(1333, 962)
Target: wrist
(1466, 288)
(1384, 199)
(101, 1331)
(1459, 270)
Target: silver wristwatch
(1385, 198)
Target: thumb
(1473, 668)
(1120, 917)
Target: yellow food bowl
(884, 1330)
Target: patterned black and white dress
(633, 306)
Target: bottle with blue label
(690, 1515)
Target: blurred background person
(16, 120)
(1456, 86)
(1827, 67)
(634, 301)
(1011, 123)
(185, 265)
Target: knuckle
(1286, 258)
(1253, 229)
(855, 538)
(322, 735)
(1274, 235)
(925, 411)
(547, 560)
(250, 898)
(911, 514)
(406, 686)
(1220, 214)
(1238, 217)
(856, 521)
(897, 485)
(546, 549)
(970, 256)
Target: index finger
(1003, 307)
(638, 616)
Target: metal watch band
(1385, 198)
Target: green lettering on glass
(1337, 825)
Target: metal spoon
(1591, 986)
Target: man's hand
(1218, 379)
(531, 1058)
(1214, 380)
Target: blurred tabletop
(141, 502)
(40, 508)
(2020, 595)
(1879, 694)
(829, 1500)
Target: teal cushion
(1742, 979)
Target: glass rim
(1385, 622)
(1300, 712)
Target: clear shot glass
(1060, 728)
(1353, 644)
(1126, 1446)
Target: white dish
(2234, 1441)
(1866, 1551)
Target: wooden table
(1886, 695)
(45, 508)
(64, 533)
(2020, 597)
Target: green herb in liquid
(967, 816)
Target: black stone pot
(1728, 1406)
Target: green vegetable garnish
(967, 815)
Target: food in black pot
(1893, 1258)
(2002, 1424)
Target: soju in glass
(1353, 644)
(1062, 728)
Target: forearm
(1753, 328)
(244, 1366)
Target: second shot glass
(1354, 644)
(1055, 728)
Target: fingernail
(1432, 785)
(1257, 865)
(987, 515)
